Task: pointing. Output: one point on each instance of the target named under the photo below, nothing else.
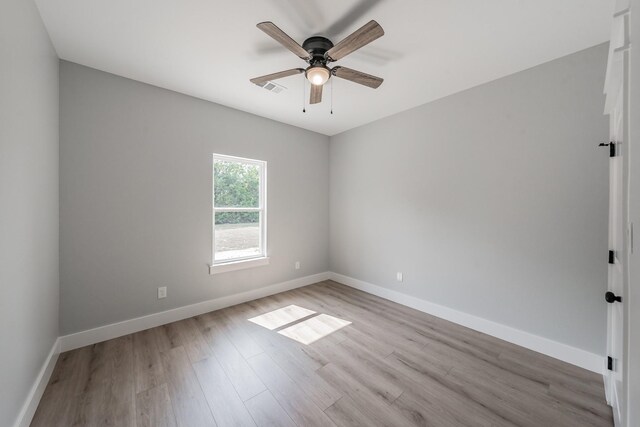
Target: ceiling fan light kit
(319, 51)
(318, 75)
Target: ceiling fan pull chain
(304, 83)
(332, 81)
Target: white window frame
(248, 261)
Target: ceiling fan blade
(281, 37)
(274, 76)
(316, 94)
(357, 77)
(361, 37)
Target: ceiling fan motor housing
(317, 46)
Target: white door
(616, 278)
(617, 89)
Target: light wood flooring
(299, 362)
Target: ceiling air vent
(272, 87)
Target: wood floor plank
(437, 353)
(108, 395)
(514, 397)
(558, 366)
(577, 409)
(277, 343)
(167, 336)
(267, 412)
(153, 408)
(523, 407)
(419, 361)
(224, 401)
(148, 369)
(302, 370)
(56, 407)
(550, 373)
(239, 336)
(366, 400)
(431, 397)
(428, 384)
(189, 403)
(359, 367)
(423, 413)
(192, 340)
(244, 380)
(391, 366)
(293, 399)
(60, 400)
(345, 413)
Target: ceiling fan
(318, 52)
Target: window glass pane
(237, 235)
(237, 185)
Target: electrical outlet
(399, 276)
(162, 292)
(297, 265)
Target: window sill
(238, 265)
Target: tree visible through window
(239, 230)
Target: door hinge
(612, 257)
(612, 147)
(610, 363)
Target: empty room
(319, 213)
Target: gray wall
(492, 201)
(28, 201)
(135, 197)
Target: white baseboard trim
(37, 389)
(114, 330)
(557, 350)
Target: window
(239, 213)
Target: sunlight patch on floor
(282, 316)
(313, 329)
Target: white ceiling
(431, 48)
